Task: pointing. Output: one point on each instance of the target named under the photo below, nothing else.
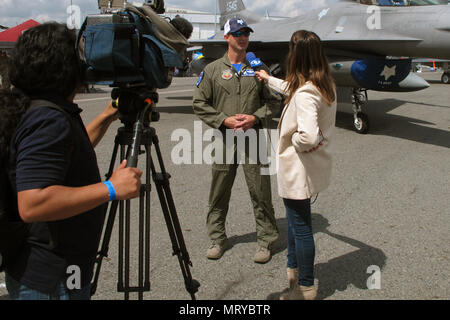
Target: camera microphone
(255, 62)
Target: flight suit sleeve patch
(200, 78)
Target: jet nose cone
(413, 83)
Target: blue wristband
(111, 190)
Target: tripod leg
(108, 230)
(125, 247)
(170, 201)
(127, 250)
(120, 285)
(113, 160)
(147, 216)
(173, 225)
(105, 245)
(144, 235)
(141, 245)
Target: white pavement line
(178, 91)
(109, 98)
(95, 99)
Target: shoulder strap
(35, 104)
(45, 103)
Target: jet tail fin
(235, 8)
(230, 6)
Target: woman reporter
(306, 131)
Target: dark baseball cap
(234, 25)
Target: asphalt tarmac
(384, 216)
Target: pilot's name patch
(249, 73)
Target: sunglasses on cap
(237, 34)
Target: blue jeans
(18, 291)
(301, 247)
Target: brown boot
(216, 250)
(262, 255)
(300, 293)
(303, 293)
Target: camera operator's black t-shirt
(47, 150)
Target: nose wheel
(360, 119)
(361, 122)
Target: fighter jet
(370, 43)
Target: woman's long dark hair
(43, 62)
(307, 62)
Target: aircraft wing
(342, 47)
(278, 40)
(415, 31)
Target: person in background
(183, 26)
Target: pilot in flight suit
(221, 92)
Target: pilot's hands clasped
(244, 122)
(126, 181)
(240, 122)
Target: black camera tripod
(139, 105)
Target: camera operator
(53, 167)
(183, 26)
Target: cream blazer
(305, 135)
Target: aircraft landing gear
(360, 119)
(446, 78)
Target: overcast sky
(14, 12)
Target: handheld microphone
(255, 62)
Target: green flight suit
(222, 92)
